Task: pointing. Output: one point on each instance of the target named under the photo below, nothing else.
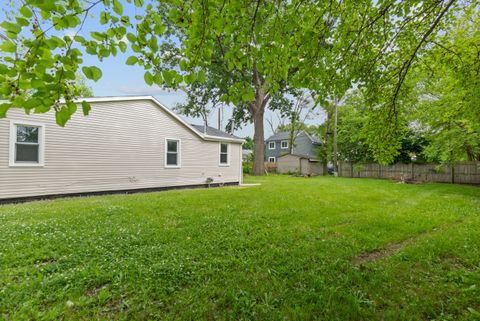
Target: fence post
(412, 170)
(452, 173)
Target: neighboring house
(303, 159)
(277, 145)
(125, 144)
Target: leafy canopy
(322, 46)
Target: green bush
(247, 167)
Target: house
(303, 157)
(125, 144)
(277, 145)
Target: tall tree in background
(80, 88)
(446, 99)
(296, 108)
(265, 47)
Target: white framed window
(271, 145)
(284, 144)
(172, 153)
(271, 159)
(27, 144)
(224, 155)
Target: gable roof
(286, 135)
(211, 131)
(216, 135)
(279, 136)
(212, 134)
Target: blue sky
(120, 79)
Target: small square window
(284, 144)
(26, 144)
(172, 153)
(271, 159)
(271, 145)
(223, 154)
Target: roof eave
(223, 139)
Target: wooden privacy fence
(270, 167)
(463, 173)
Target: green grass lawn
(291, 249)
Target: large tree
(262, 46)
(446, 96)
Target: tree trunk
(257, 108)
(258, 140)
(291, 137)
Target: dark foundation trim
(98, 193)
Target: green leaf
(97, 35)
(62, 116)
(72, 108)
(86, 108)
(79, 39)
(131, 37)
(25, 11)
(123, 46)
(104, 17)
(138, 3)
(37, 83)
(157, 78)
(8, 46)
(201, 76)
(183, 65)
(167, 76)
(117, 7)
(11, 29)
(92, 72)
(3, 110)
(248, 96)
(132, 60)
(190, 78)
(22, 21)
(148, 78)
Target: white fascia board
(223, 139)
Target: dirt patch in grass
(44, 262)
(94, 291)
(393, 248)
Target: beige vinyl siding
(288, 164)
(295, 164)
(119, 146)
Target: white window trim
(179, 153)
(281, 144)
(274, 145)
(274, 160)
(220, 152)
(13, 140)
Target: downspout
(240, 178)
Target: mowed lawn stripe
(281, 250)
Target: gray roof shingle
(211, 131)
(279, 136)
(285, 136)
